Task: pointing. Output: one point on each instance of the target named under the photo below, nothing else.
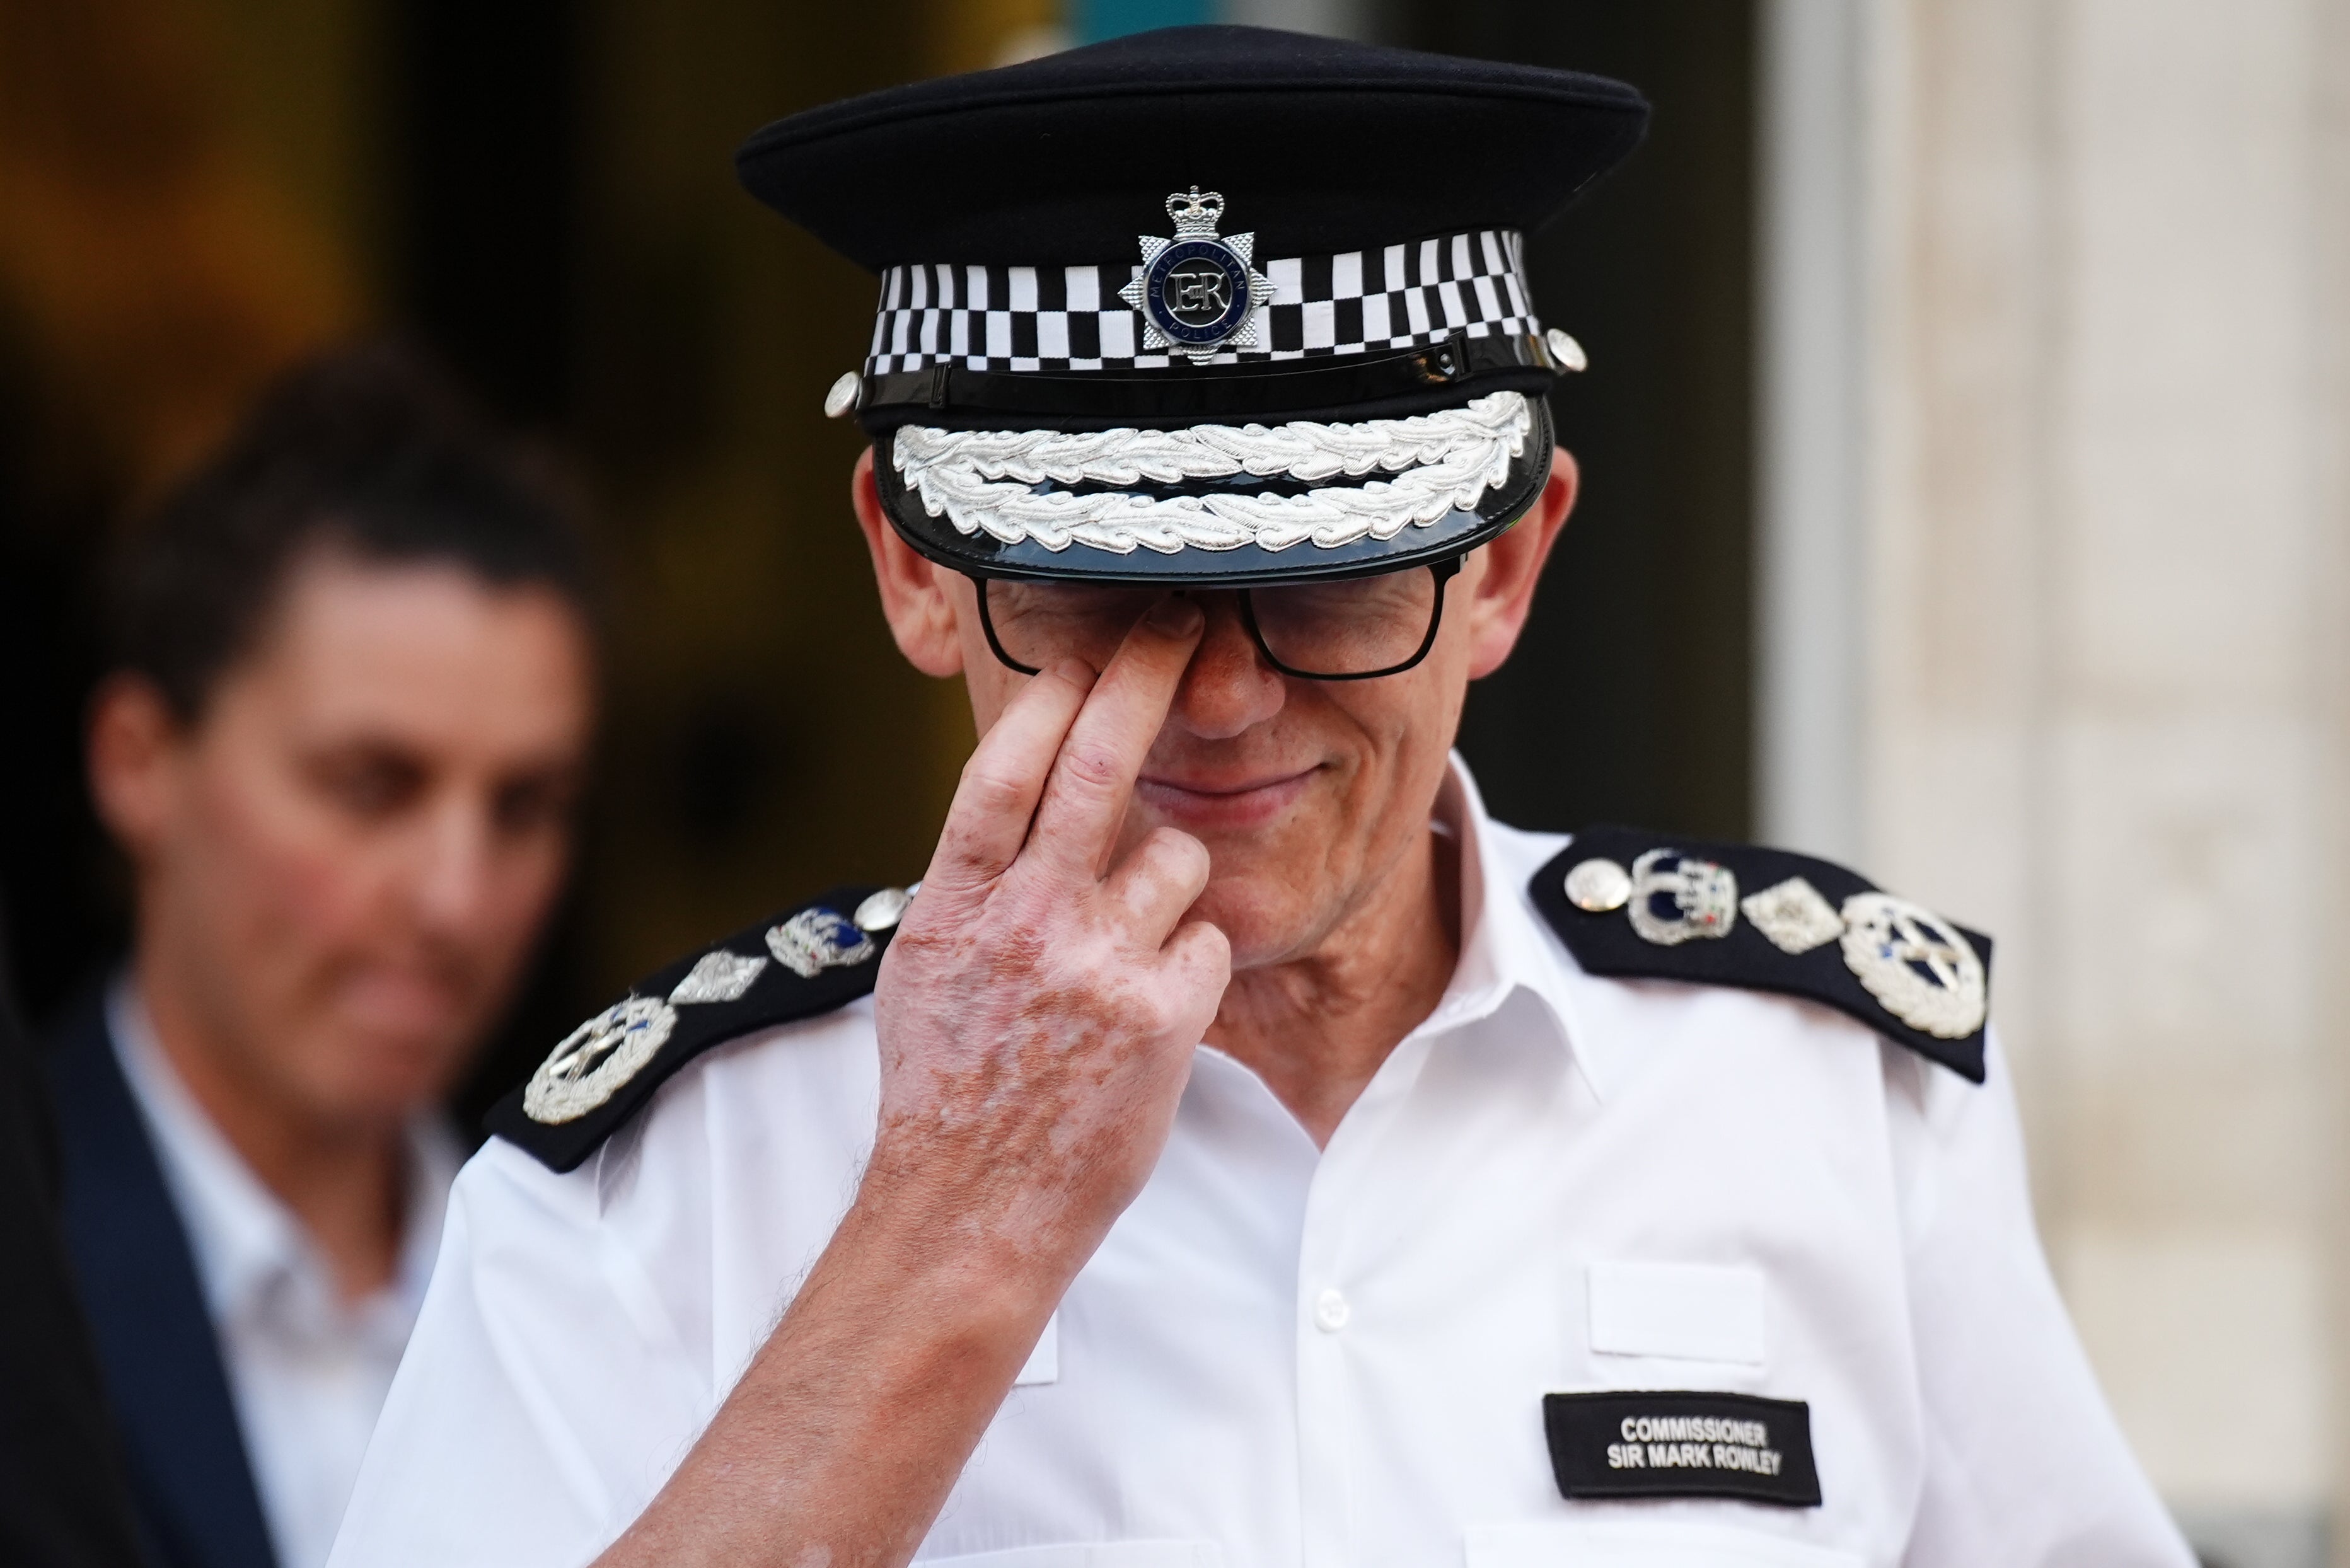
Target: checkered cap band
(1071, 318)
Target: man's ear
(920, 615)
(134, 743)
(1503, 590)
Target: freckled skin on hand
(1036, 1030)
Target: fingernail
(1174, 615)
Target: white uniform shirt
(1289, 1359)
(307, 1372)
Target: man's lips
(1221, 802)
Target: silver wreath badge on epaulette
(597, 1058)
(1915, 963)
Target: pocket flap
(1561, 1543)
(1691, 1312)
(1044, 1363)
(1090, 1554)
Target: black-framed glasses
(1326, 629)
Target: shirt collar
(252, 1254)
(1506, 946)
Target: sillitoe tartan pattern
(1036, 318)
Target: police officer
(1239, 1148)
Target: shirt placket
(1332, 1309)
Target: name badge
(1682, 1444)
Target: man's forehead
(418, 648)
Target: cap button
(1567, 350)
(842, 398)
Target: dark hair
(369, 450)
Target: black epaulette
(804, 962)
(1650, 906)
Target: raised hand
(1036, 1014)
(1038, 1008)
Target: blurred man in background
(341, 752)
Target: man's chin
(380, 1094)
(1264, 923)
(369, 1074)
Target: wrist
(983, 1259)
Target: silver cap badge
(1198, 293)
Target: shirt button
(1331, 1312)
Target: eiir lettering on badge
(1682, 1444)
(1199, 291)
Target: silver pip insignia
(1794, 915)
(720, 976)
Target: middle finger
(1093, 779)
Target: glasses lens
(1356, 625)
(1038, 623)
(1359, 626)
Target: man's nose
(450, 884)
(1227, 686)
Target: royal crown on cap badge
(1198, 293)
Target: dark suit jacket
(190, 1478)
(63, 1500)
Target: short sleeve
(547, 1391)
(2025, 1465)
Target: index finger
(1001, 784)
(1093, 779)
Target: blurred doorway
(1630, 700)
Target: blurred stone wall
(2082, 440)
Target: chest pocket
(1091, 1554)
(1689, 1312)
(1561, 1543)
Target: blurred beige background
(2052, 562)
